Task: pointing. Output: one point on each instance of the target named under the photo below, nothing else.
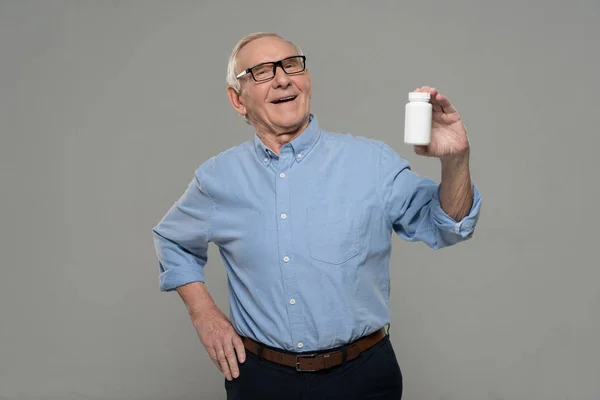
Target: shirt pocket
(333, 232)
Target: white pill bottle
(417, 119)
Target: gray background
(107, 108)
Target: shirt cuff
(464, 227)
(179, 276)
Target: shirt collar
(301, 145)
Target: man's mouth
(284, 99)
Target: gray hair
(232, 64)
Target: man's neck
(275, 141)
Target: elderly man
(303, 219)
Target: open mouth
(284, 100)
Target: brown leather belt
(315, 361)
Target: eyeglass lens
(292, 65)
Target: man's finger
(222, 359)
(446, 105)
(432, 91)
(434, 96)
(231, 360)
(217, 364)
(239, 348)
(421, 149)
(212, 354)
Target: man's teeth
(285, 99)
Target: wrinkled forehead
(263, 50)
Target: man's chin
(288, 122)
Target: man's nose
(281, 79)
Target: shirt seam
(380, 187)
(212, 210)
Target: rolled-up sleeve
(412, 205)
(182, 236)
(464, 228)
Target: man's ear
(234, 99)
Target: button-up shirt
(305, 235)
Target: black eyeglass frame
(275, 65)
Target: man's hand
(448, 133)
(220, 340)
(214, 329)
(449, 143)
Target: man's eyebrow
(271, 60)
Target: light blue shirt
(305, 236)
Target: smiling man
(278, 106)
(303, 219)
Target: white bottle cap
(418, 96)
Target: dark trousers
(375, 374)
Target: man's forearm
(456, 189)
(196, 298)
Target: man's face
(260, 100)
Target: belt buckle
(312, 355)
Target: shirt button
(299, 156)
(266, 159)
(286, 259)
(292, 301)
(282, 175)
(457, 227)
(300, 345)
(283, 216)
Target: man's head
(271, 104)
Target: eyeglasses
(266, 71)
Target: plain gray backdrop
(108, 107)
